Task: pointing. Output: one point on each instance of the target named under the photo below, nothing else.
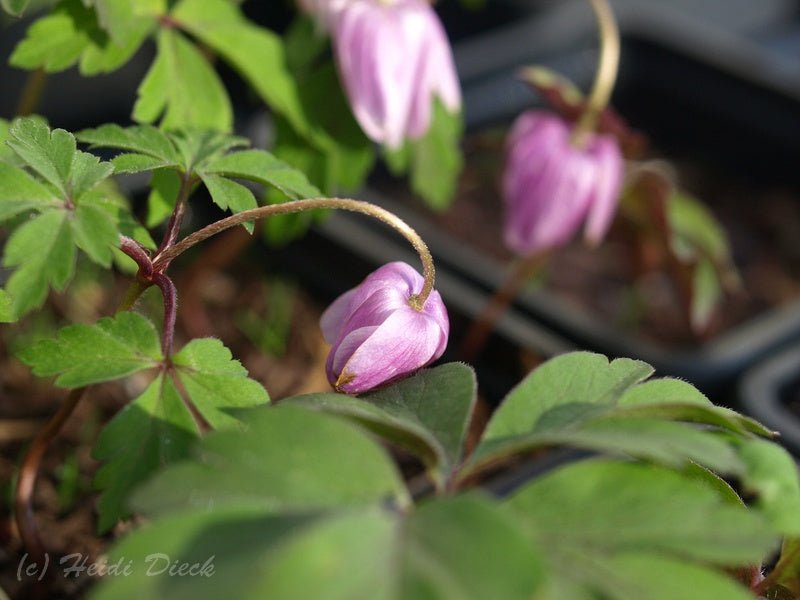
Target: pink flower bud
(393, 58)
(550, 184)
(376, 335)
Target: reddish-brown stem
(170, 294)
(139, 255)
(176, 218)
(29, 470)
(482, 326)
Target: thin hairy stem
(170, 295)
(139, 256)
(26, 521)
(482, 326)
(176, 218)
(29, 469)
(164, 257)
(607, 68)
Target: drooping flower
(552, 184)
(375, 333)
(393, 58)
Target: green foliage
(311, 512)
(598, 514)
(183, 86)
(306, 494)
(71, 34)
(581, 400)
(215, 382)
(435, 160)
(213, 158)
(603, 507)
(65, 190)
(405, 414)
(286, 459)
(155, 429)
(85, 354)
(698, 239)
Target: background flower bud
(376, 336)
(393, 58)
(551, 184)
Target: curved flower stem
(607, 69)
(428, 272)
(482, 325)
(29, 469)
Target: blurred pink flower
(322, 10)
(550, 184)
(376, 336)
(393, 58)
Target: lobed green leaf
(287, 458)
(215, 382)
(112, 348)
(427, 413)
(600, 508)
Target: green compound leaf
(595, 511)
(462, 548)
(256, 53)
(212, 157)
(287, 458)
(428, 413)
(71, 34)
(184, 87)
(75, 206)
(153, 430)
(581, 400)
(228, 194)
(638, 576)
(19, 193)
(43, 252)
(48, 153)
(574, 378)
(144, 142)
(215, 381)
(262, 167)
(56, 41)
(112, 348)
(96, 232)
(122, 19)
